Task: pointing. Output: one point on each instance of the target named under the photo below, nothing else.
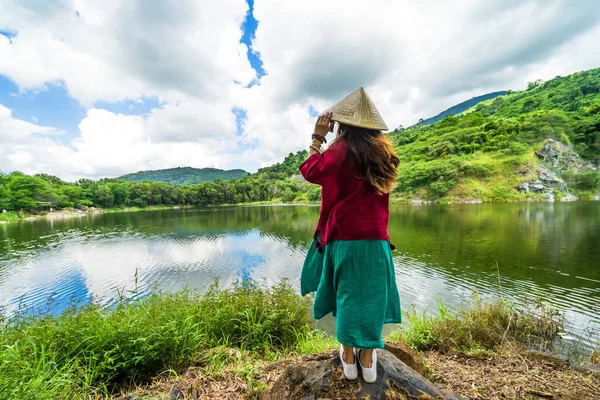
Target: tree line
(21, 192)
(468, 155)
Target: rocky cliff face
(558, 158)
(562, 158)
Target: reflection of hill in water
(294, 224)
(525, 240)
(542, 250)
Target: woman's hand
(323, 125)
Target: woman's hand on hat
(323, 124)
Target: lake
(524, 252)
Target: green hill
(465, 105)
(288, 167)
(542, 143)
(183, 175)
(551, 130)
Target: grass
(136, 209)
(95, 351)
(11, 216)
(481, 328)
(99, 351)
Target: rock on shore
(323, 377)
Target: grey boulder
(323, 378)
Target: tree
(120, 192)
(497, 104)
(54, 180)
(104, 196)
(26, 191)
(72, 194)
(534, 84)
(4, 193)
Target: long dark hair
(371, 156)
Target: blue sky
(53, 106)
(249, 28)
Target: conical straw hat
(357, 109)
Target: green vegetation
(24, 193)
(488, 151)
(459, 108)
(484, 153)
(11, 216)
(95, 350)
(183, 175)
(481, 328)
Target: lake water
(548, 251)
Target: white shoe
(350, 370)
(369, 374)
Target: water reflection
(550, 251)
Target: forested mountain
(540, 143)
(500, 144)
(183, 175)
(288, 167)
(465, 105)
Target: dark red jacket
(350, 208)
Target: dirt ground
(511, 376)
(505, 376)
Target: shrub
(587, 181)
(440, 188)
(514, 149)
(314, 194)
(415, 175)
(301, 198)
(477, 170)
(501, 193)
(593, 109)
(564, 138)
(288, 195)
(483, 325)
(94, 349)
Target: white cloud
(122, 49)
(169, 263)
(114, 144)
(414, 58)
(17, 131)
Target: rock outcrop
(561, 158)
(546, 184)
(323, 378)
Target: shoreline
(13, 216)
(225, 343)
(505, 374)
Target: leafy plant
(96, 350)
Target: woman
(349, 264)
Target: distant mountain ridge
(542, 143)
(184, 175)
(464, 106)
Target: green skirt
(354, 280)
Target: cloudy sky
(101, 88)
